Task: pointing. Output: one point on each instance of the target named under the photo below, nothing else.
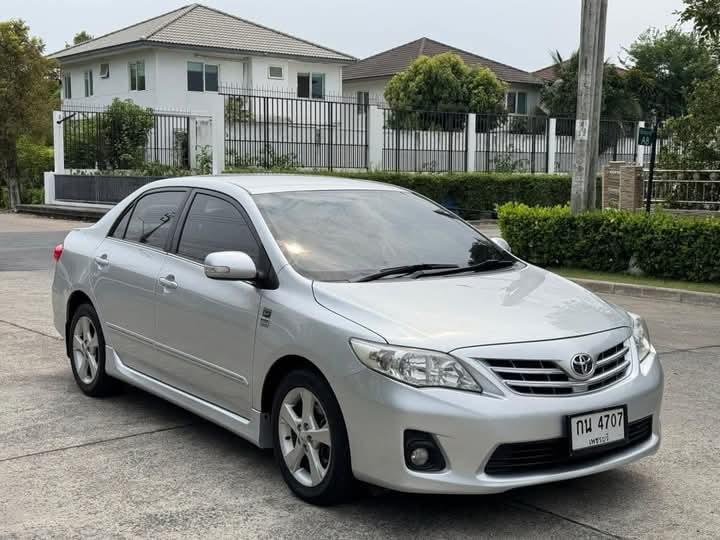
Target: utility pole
(587, 124)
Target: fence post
(192, 142)
(639, 149)
(552, 145)
(218, 134)
(49, 187)
(376, 121)
(471, 145)
(58, 142)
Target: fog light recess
(422, 452)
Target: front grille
(547, 378)
(543, 456)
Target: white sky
(517, 32)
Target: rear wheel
(310, 440)
(87, 353)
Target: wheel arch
(75, 300)
(277, 373)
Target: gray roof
(198, 26)
(392, 61)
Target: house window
(517, 102)
(202, 77)
(104, 71)
(363, 99)
(137, 75)
(311, 85)
(275, 72)
(67, 86)
(88, 77)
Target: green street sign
(645, 136)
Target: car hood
(446, 313)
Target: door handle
(168, 282)
(102, 260)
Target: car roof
(276, 183)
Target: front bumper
(469, 427)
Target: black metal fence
(419, 141)
(278, 131)
(100, 140)
(101, 189)
(618, 142)
(511, 143)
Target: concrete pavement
(135, 466)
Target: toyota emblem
(583, 366)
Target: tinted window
(341, 235)
(119, 231)
(213, 225)
(154, 217)
(211, 78)
(195, 76)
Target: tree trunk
(8, 170)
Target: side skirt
(247, 428)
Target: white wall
(374, 87)
(533, 95)
(291, 68)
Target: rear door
(206, 327)
(125, 272)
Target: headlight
(641, 336)
(416, 367)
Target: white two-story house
(178, 59)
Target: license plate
(598, 430)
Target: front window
(88, 76)
(137, 75)
(311, 85)
(363, 99)
(202, 77)
(349, 234)
(517, 102)
(67, 86)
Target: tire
(332, 462)
(86, 342)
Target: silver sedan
(361, 331)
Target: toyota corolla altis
(360, 330)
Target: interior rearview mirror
(501, 243)
(234, 265)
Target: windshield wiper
(490, 264)
(402, 270)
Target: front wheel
(310, 440)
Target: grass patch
(636, 280)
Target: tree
(692, 140)
(444, 83)
(705, 16)
(664, 67)
(80, 37)
(28, 81)
(560, 97)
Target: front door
(206, 327)
(125, 272)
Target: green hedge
(476, 195)
(660, 244)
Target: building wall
(533, 95)
(291, 68)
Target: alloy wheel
(304, 433)
(85, 349)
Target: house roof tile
(195, 26)
(390, 62)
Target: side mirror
(501, 243)
(234, 265)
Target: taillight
(57, 252)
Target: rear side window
(121, 226)
(214, 224)
(154, 217)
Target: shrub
(659, 244)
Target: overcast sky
(517, 32)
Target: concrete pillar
(471, 142)
(58, 142)
(218, 134)
(192, 142)
(552, 144)
(49, 187)
(640, 160)
(611, 184)
(376, 123)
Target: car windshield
(346, 235)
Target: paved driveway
(133, 465)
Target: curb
(656, 293)
(63, 212)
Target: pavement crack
(93, 443)
(528, 506)
(20, 327)
(691, 349)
